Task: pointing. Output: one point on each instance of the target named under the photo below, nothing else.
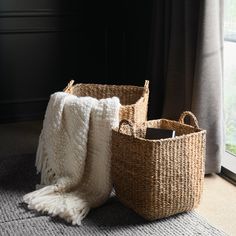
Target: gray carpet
(17, 178)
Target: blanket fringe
(65, 205)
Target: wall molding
(28, 21)
(38, 13)
(18, 101)
(38, 30)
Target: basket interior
(127, 94)
(140, 130)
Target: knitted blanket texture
(74, 156)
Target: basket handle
(146, 87)
(193, 119)
(127, 123)
(68, 87)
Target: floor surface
(218, 203)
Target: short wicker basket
(159, 178)
(134, 99)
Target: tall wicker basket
(159, 178)
(134, 99)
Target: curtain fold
(186, 64)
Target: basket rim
(198, 131)
(143, 89)
(108, 85)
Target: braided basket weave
(159, 178)
(134, 99)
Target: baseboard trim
(22, 110)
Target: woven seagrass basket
(133, 99)
(163, 177)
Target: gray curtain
(187, 68)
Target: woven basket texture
(134, 99)
(159, 178)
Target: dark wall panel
(44, 44)
(35, 57)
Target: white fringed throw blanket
(73, 156)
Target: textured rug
(17, 177)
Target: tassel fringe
(65, 205)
